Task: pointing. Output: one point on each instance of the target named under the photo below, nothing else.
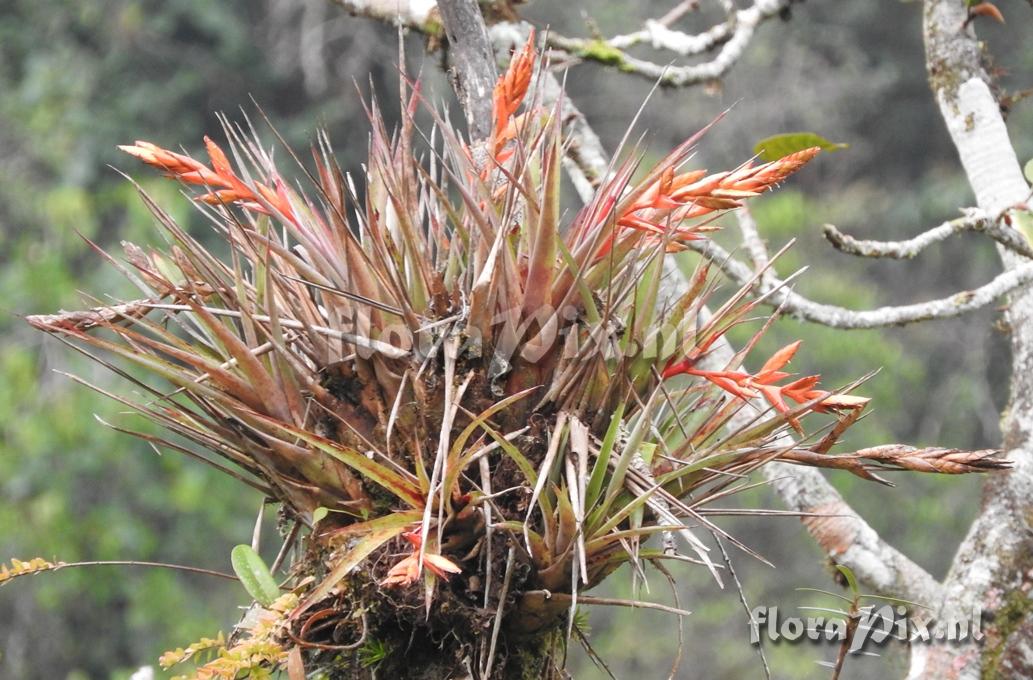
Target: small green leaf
(254, 575)
(647, 451)
(1027, 170)
(779, 146)
(851, 580)
(319, 514)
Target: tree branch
(992, 562)
(800, 307)
(473, 61)
(975, 221)
(734, 36)
(753, 242)
(847, 538)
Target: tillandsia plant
(471, 410)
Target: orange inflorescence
(762, 384)
(408, 569)
(223, 184)
(675, 198)
(510, 91)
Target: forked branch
(732, 36)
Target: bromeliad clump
(471, 410)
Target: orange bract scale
(407, 571)
(510, 91)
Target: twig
(57, 566)
(754, 243)
(731, 36)
(288, 543)
(409, 13)
(155, 565)
(608, 601)
(497, 626)
(742, 599)
(672, 582)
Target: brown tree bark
(473, 62)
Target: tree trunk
(993, 569)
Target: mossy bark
(403, 645)
(367, 631)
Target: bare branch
(654, 33)
(474, 63)
(733, 35)
(800, 307)
(847, 538)
(974, 220)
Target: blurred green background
(78, 78)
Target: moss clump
(598, 50)
(1017, 606)
(433, 28)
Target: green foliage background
(78, 78)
